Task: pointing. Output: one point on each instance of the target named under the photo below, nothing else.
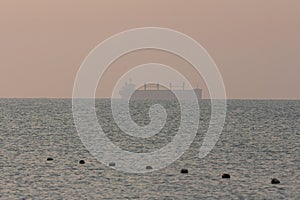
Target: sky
(255, 44)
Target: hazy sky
(255, 43)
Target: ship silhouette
(155, 91)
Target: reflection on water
(260, 140)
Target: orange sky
(255, 43)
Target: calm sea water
(260, 141)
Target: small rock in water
(81, 162)
(275, 181)
(50, 159)
(184, 171)
(112, 164)
(225, 176)
(149, 167)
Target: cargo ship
(155, 91)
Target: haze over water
(254, 44)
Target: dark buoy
(50, 159)
(225, 176)
(184, 171)
(275, 181)
(112, 164)
(81, 162)
(149, 167)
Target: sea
(260, 141)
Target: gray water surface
(260, 141)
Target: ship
(155, 91)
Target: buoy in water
(81, 162)
(184, 171)
(149, 167)
(225, 176)
(112, 164)
(275, 181)
(50, 159)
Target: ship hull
(166, 94)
